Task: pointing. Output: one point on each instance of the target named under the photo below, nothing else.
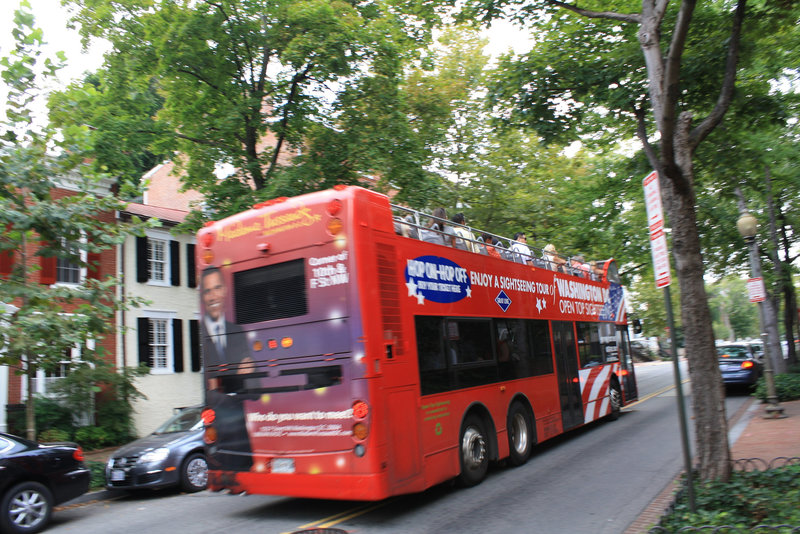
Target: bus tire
(615, 399)
(520, 434)
(473, 451)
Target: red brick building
(51, 271)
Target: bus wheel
(473, 451)
(615, 397)
(520, 434)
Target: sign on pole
(655, 223)
(756, 290)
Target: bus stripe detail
(594, 391)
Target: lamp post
(747, 226)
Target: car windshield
(184, 420)
(736, 351)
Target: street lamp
(748, 226)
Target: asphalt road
(595, 480)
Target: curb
(91, 497)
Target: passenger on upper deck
(596, 270)
(522, 254)
(406, 225)
(554, 261)
(579, 267)
(464, 239)
(488, 243)
(435, 231)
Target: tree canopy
(41, 322)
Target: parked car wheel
(26, 508)
(194, 474)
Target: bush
(787, 387)
(53, 435)
(115, 417)
(98, 474)
(751, 498)
(49, 414)
(92, 437)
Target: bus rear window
(270, 292)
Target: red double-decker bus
(346, 358)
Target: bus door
(569, 385)
(628, 376)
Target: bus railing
(414, 224)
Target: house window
(157, 259)
(68, 271)
(45, 379)
(159, 343)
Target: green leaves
(230, 74)
(53, 208)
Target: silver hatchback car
(173, 455)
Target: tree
(245, 82)
(48, 320)
(735, 317)
(667, 73)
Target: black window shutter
(177, 345)
(175, 262)
(191, 278)
(141, 260)
(143, 330)
(194, 339)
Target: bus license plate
(117, 475)
(282, 465)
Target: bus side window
(541, 351)
(429, 343)
(513, 349)
(608, 339)
(589, 348)
(469, 341)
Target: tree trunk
(772, 304)
(708, 394)
(30, 411)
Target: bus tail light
(287, 342)
(334, 207)
(335, 226)
(360, 410)
(360, 431)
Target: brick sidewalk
(760, 437)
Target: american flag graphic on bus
(614, 308)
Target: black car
(34, 477)
(739, 364)
(173, 455)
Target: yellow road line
(341, 516)
(655, 394)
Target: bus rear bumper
(356, 487)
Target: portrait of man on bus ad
(224, 341)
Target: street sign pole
(658, 248)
